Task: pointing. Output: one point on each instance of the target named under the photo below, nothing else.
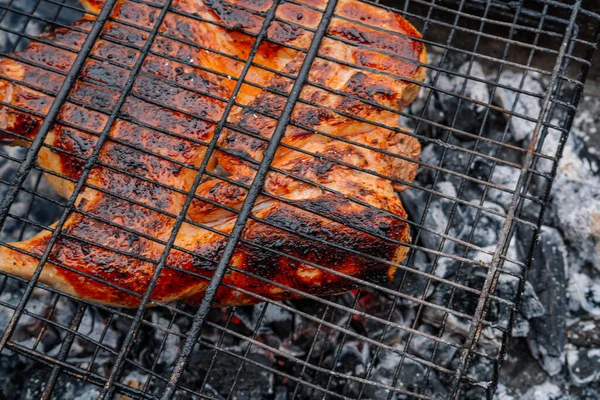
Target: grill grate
(423, 328)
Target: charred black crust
(361, 85)
(282, 32)
(339, 232)
(104, 73)
(377, 40)
(95, 96)
(311, 116)
(271, 265)
(137, 14)
(125, 34)
(234, 18)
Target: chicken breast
(329, 213)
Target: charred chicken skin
(329, 200)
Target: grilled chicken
(329, 200)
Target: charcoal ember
(11, 296)
(411, 283)
(10, 377)
(583, 295)
(483, 230)
(543, 391)
(42, 211)
(447, 109)
(520, 103)
(451, 324)
(481, 169)
(585, 127)
(29, 327)
(172, 342)
(253, 382)
(437, 218)
(530, 306)
(446, 267)
(411, 378)
(504, 177)
(424, 348)
(276, 319)
(521, 326)
(503, 393)
(547, 278)
(575, 202)
(30, 382)
(507, 288)
(454, 160)
(353, 357)
(584, 332)
(577, 206)
(487, 229)
(281, 393)
(92, 326)
(33, 26)
(583, 364)
(459, 299)
(482, 370)
(457, 326)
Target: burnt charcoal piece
(520, 104)
(547, 276)
(585, 333)
(253, 382)
(584, 365)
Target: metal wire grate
(424, 327)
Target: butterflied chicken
(329, 211)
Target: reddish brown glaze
(147, 164)
(299, 15)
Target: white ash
(505, 177)
(545, 391)
(576, 199)
(520, 103)
(575, 187)
(474, 89)
(583, 365)
(584, 294)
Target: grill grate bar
(107, 391)
(231, 332)
(313, 373)
(411, 257)
(75, 371)
(31, 156)
(249, 201)
(575, 99)
(479, 103)
(485, 191)
(53, 21)
(492, 276)
(453, 211)
(65, 347)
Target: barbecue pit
(492, 123)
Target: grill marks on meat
(310, 212)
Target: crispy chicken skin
(315, 209)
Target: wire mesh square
(502, 85)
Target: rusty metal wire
(549, 29)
